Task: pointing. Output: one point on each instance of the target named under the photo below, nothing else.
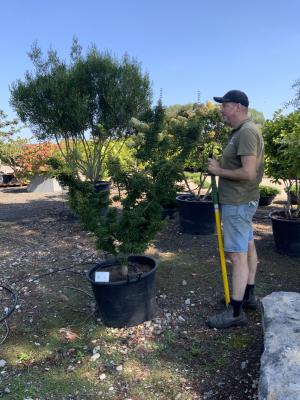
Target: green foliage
(295, 102)
(195, 178)
(282, 148)
(87, 103)
(24, 357)
(10, 145)
(143, 186)
(82, 197)
(293, 190)
(268, 191)
(197, 133)
(7, 127)
(256, 116)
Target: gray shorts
(237, 226)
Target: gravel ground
(38, 233)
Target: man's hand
(213, 166)
(246, 173)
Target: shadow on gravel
(33, 208)
(15, 190)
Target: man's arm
(246, 173)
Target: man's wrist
(220, 172)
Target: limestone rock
(280, 362)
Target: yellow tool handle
(222, 255)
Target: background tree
(10, 145)
(88, 103)
(7, 127)
(282, 149)
(256, 116)
(295, 102)
(32, 159)
(193, 134)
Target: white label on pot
(101, 276)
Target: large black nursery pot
(286, 233)
(195, 216)
(266, 200)
(125, 303)
(102, 185)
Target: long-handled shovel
(220, 239)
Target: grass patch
(195, 178)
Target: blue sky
(185, 46)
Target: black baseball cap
(234, 96)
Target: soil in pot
(125, 303)
(135, 271)
(286, 232)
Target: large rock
(44, 184)
(280, 362)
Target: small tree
(33, 159)
(10, 146)
(7, 127)
(133, 217)
(282, 148)
(198, 132)
(87, 103)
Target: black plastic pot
(286, 233)
(102, 185)
(104, 188)
(125, 303)
(294, 199)
(196, 217)
(265, 200)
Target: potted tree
(198, 132)
(90, 105)
(85, 106)
(282, 143)
(124, 284)
(293, 194)
(267, 194)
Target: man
(240, 171)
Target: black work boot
(226, 319)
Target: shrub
(33, 159)
(282, 149)
(266, 191)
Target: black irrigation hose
(15, 295)
(15, 298)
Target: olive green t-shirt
(246, 140)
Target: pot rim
(114, 261)
(280, 213)
(188, 198)
(103, 182)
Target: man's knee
(237, 258)
(252, 249)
